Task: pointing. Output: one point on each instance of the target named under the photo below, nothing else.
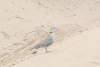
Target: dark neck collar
(50, 32)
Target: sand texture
(25, 23)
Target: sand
(82, 50)
(25, 23)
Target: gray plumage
(49, 40)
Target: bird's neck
(51, 33)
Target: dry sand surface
(80, 51)
(25, 23)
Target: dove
(49, 40)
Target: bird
(49, 40)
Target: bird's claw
(47, 51)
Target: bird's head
(53, 29)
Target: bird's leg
(46, 50)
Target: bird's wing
(46, 42)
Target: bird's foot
(47, 51)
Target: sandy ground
(25, 23)
(80, 51)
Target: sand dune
(24, 23)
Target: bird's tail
(31, 48)
(36, 47)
